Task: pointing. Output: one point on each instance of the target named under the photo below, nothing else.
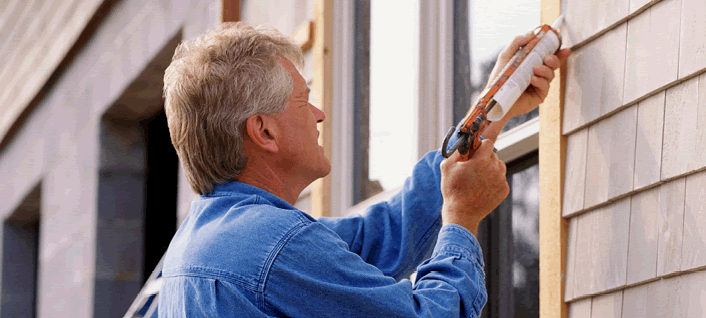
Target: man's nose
(318, 114)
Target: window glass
(493, 25)
(509, 237)
(394, 40)
(525, 237)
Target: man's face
(299, 147)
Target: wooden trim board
(230, 10)
(323, 85)
(304, 35)
(552, 226)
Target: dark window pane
(509, 238)
(525, 234)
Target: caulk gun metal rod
(490, 105)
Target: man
(240, 119)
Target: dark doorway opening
(160, 217)
(137, 189)
(20, 239)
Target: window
(509, 237)
(394, 50)
(407, 107)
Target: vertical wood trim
(304, 35)
(323, 84)
(552, 226)
(230, 10)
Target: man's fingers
(552, 61)
(515, 45)
(563, 54)
(541, 84)
(521, 40)
(452, 158)
(486, 149)
(544, 71)
(502, 167)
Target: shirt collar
(236, 188)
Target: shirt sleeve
(315, 275)
(398, 234)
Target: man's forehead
(290, 67)
(287, 63)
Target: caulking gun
(506, 89)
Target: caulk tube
(518, 82)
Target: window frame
(342, 111)
(433, 109)
(439, 94)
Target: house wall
(35, 36)
(88, 252)
(634, 182)
(77, 162)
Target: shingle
(581, 102)
(608, 305)
(671, 226)
(611, 157)
(642, 249)
(637, 4)
(580, 309)
(602, 248)
(635, 301)
(657, 299)
(690, 302)
(652, 49)
(680, 137)
(594, 83)
(694, 244)
(570, 259)
(585, 18)
(692, 44)
(648, 145)
(575, 172)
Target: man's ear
(260, 130)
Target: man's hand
(472, 189)
(539, 83)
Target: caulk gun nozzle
(558, 22)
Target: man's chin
(326, 170)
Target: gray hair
(213, 84)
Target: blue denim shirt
(243, 252)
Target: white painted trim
(518, 141)
(382, 196)
(434, 113)
(446, 72)
(341, 115)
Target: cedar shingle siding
(634, 187)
